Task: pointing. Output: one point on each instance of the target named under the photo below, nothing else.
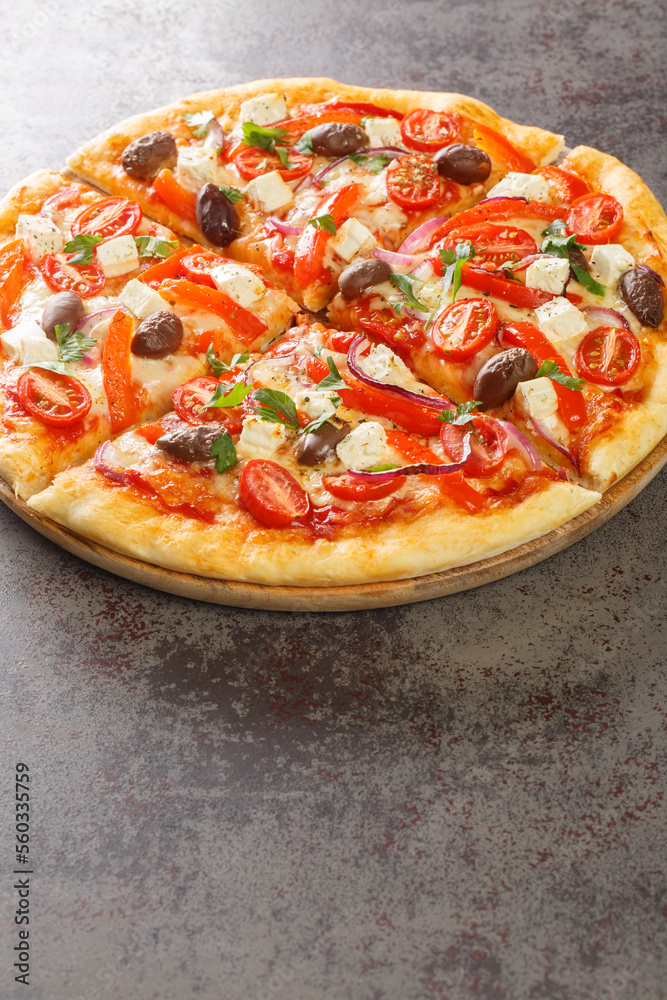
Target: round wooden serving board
(353, 598)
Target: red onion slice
(601, 316)
(518, 442)
(547, 436)
(391, 151)
(423, 469)
(284, 228)
(215, 135)
(430, 402)
(503, 197)
(65, 197)
(531, 258)
(394, 258)
(658, 278)
(416, 240)
(85, 322)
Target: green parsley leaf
(305, 144)
(319, 421)
(405, 284)
(281, 153)
(82, 245)
(232, 194)
(54, 366)
(151, 246)
(276, 407)
(231, 394)
(461, 416)
(453, 263)
(552, 371)
(333, 380)
(374, 163)
(326, 222)
(561, 246)
(555, 228)
(263, 138)
(383, 468)
(219, 366)
(72, 346)
(224, 453)
(199, 121)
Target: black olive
(216, 216)
(643, 295)
(64, 307)
(158, 335)
(320, 445)
(356, 278)
(463, 164)
(576, 256)
(336, 139)
(145, 157)
(191, 443)
(498, 378)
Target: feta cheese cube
(351, 238)
(260, 438)
(381, 363)
(561, 321)
(41, 235)
(196, 166)
(608, 262)
(513, 185)
(365, 446)
(383, 132)
(548, 274)
(269, 192)
(264, 110)
(240, 283)
(142, 300)
(28, 344)
(314, 404)
(118, 256)
(537, 397)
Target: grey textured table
(449, 800)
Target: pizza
(313, 334)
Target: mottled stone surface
(457, 799)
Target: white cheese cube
(381, 363)
(196, 166)
(609, 262)
(260, 438)
(41, 235)
(269, 192)
(28, 344)
(537, 397)
(351, 238)
(142, 300)
(530, 186)
(383, 132)
(264, 110)
(365, 446)
(561, 321)
(118, 256)
(549, 274)
(314, 404)
(240, 283)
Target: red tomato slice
(63, 199)
(53, 398)
(608, 356)
(61, 276)
(190, 401)
(489, 444)
(413, 181)
(463, 328)
(503, 210)
(13, 265)
(430, 130)
(595, 218)
(252, 162)
(493, 242)
(271, 494)
(197, 266)
(312, 243)
(108, 218)
(175, 196)
(564, 186)
(346, 488)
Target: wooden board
(355, 598)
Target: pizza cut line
(491, 358)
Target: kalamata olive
(216, 216)
(463, 164)
(337, 139)
(643, 295)
(191, 443)
(319, 445)
(160, 334)
(64, 307)
(498, 378)
(577, 257)
(145, 157)
(356, 278)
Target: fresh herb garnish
(223, 451)
(267, 138)
(383, 468)
(373, 162)
(232, 194)
(199, 122)
(231, 394)
(326, 222)
(305, 144)
(276, 407)
(561, 246)
(555, 228)
(83, 246)
(333, 380)
(405, 284)
(72, 345)
(453, 262)
(219, 367)
(151, 246)
(462, 415)
(325, 418)
(551, 370)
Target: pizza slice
(94, 335)
(320, 462)
(303, 176)
(545, 304)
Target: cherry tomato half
(61, 276)
(252, 162)
(463, 328)
(190, 397)
(494, 243)
(608, 356)
(271, 494)
(413, 182)
(108, 218)
(430, 130)
(564, 186)
(347, 488)
(595, 218)
(489, 443)
(53, 398)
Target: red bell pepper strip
(124, 407)
(170, 267)
(244, 324)
(12, 277)
(175, 196)
(453, 484)
(312, 244)
(500, 148)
